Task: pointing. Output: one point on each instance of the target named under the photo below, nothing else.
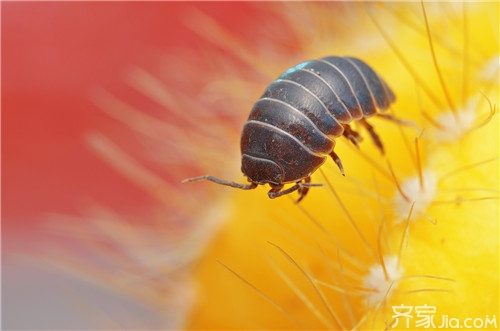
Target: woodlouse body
(292, 128)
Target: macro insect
(292, 128)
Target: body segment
(292, 128)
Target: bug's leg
(352, 135)
(221, 182)
(276, 191)
(336, 159)
(303, 189)
(373, 134)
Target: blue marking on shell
(297, 67)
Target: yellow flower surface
(414, 231)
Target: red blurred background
(53, 54)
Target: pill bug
(292, 128)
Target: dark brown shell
(292, 127)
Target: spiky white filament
(453, 126)
(489, 71)
(380, 285)
(419, 193)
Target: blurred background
(54, 56)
